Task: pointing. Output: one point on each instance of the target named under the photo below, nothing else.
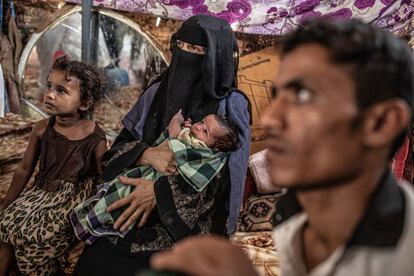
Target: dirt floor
(14, 136)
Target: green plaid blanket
(197, 165)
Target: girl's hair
(92, 81)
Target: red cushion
(249, 187)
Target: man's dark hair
(380, 64)
(92, 81)
(229, 139)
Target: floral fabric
(275, 17)
(402, 162)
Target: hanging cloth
(10, 50)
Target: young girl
(34, 221)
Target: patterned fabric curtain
(402, 163)
(275, 17)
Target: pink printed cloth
(402, 163)
(275, 17)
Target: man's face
(312, 139)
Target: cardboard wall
(255, 76)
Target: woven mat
(260, 249)
(13, 124)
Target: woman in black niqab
(194, 83)
(199, 84)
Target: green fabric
(197, 165)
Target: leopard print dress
(36, 223)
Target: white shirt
(377, 247)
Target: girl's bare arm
(26, 167)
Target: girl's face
(62, 96)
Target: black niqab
(194, 83)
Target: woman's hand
(160, 158)
(141, 201)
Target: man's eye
(304, 95)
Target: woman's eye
(199, 49)
(61, 91)
(48, 86)
(304, 95)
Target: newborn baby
(213, 131)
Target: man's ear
(86, 105)
(384, 121)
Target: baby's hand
(187, 123)
(178, 117)
(174, 128)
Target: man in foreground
(342, 104)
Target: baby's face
(207, 130)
